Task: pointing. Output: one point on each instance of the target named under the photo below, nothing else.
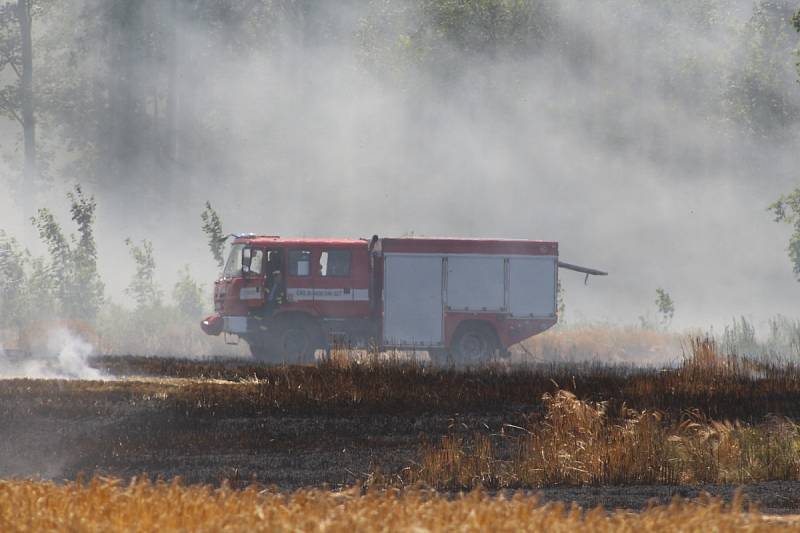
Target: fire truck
(460, 300)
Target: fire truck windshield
(234, 265)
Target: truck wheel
(296, 340)
(473, 343)
(439, 357)
(262, 353)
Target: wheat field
(110, 505)
(576, 443)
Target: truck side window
(299, 262)
(335, 263)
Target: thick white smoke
(618, 137)
(63, 355)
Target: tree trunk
(171, 145)
(28, 123)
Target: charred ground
(339, 423)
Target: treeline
(64, 288)
(111, 93)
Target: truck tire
(295, 340)
(440, 357)
(474, 343)
(261, 352)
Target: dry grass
(109, 505)
(564, 424)
(579, 443)
(720, 386)
(602, 342)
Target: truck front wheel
(290, 340)
(473, 343)
(262, 352)
(296, 340)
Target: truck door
(299, 281)
(341, 282)
(251, 290)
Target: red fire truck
(466, 298)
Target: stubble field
(613, 436)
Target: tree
(442, 34)
(13, 258)
(143, 287)
(26, 88)
(16, 99)
(188, 295)
(787, 210)
(212, 227)
(665, 306)
(796, 24)
(72, 269)
(758, 97)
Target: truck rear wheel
(473, 343)
(440, 357)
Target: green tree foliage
(483, 26)
(143, 288)
(72, 267)
(119, 84)
(212, 227)
(10, 60)
(787, 210)
(441, 34)
(757, 98)
(187, 295)
(665, 306)
(16, 98)
(64, 284)
(13, 281)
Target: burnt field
(580, 432)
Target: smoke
(63, 355)
(623, 130)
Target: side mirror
(247, 258)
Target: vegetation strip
(111, 505)
(721, 387)
(577, 443)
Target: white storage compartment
(475, 283)
(533, 286)
(412, 300)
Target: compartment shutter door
(533, 286)
(412, 297)
(475, 283)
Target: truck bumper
(235, 324)
(212, 325)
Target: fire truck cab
(466, 298)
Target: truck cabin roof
(278, 242)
